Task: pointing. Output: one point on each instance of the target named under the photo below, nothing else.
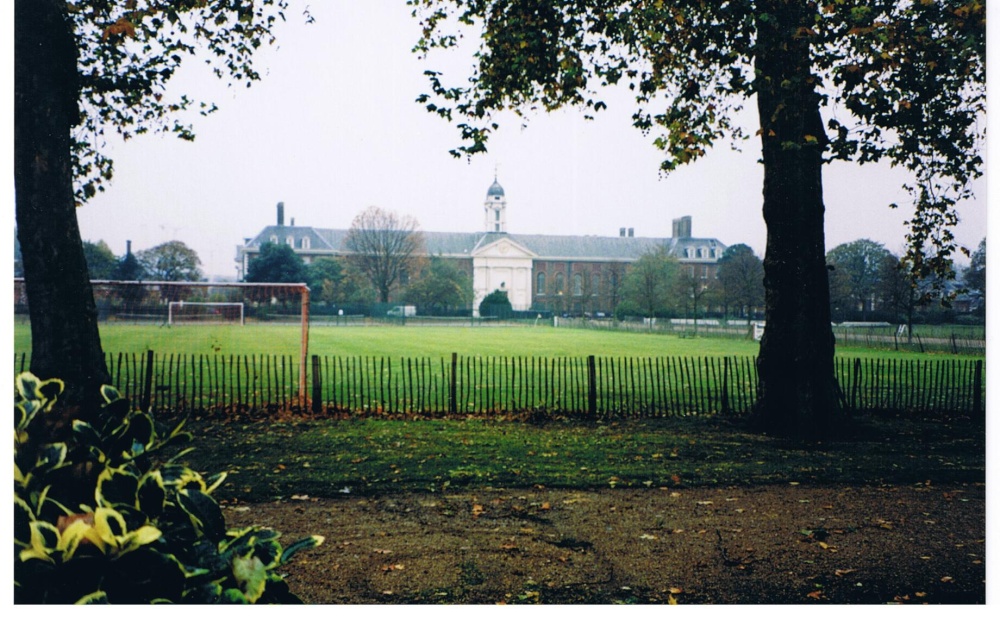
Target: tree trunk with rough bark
(64, 337)
(798, 394)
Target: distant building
(557, 273)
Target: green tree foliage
(690, 293)
(101, 261)
(276, 263)
(82, 68)
(860, 261)
(129, 268)
(171, 261)
(326, 279)
(441, 288)
(897, 292)
(901, 82)
(740, 279)
(650, 285)
(129, 51)
(496, 304)
(975, 274)
(385, 248)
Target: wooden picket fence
(578, 386)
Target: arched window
(577, 285)
(540, 283)
(305, 243)
(274, 239)
(595, 284)
(558, 286)
(290, 240)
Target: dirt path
(774, 545)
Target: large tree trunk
(64, 337)
(798, 394)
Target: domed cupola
(495, 191)
(496, 208)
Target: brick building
(557, 273)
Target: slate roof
(544, 247)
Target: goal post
(155, 302)
(205, 312)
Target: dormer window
(305, 243)
(290, 240)
(274, 239)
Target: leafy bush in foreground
(100, 518)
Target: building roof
(544, 247)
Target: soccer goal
(180, 304)
(181, 312)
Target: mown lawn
(433, 342)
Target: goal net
(180, 305)
(181, 312)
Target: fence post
(977, 389)
(453, 385)
(317, 386)
(855, 384)
(725, 385)
(591, 387)
(147, 384)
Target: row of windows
(304, 243)
(577, 284)
(700, 253)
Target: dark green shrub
(101, 517)
(496, 304)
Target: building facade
(557, 273)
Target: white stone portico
(506, 265)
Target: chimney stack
(682, 227)
(631, 232)
(128, 247)
(292, 222)
(621, 232)
(281, 214)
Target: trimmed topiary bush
(101, 517)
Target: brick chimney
(682, 227)
(281, 214)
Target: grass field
(277, 459)
(431, 342)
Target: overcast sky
(334, 128)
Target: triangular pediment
(502, 247)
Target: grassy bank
(327, 458)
